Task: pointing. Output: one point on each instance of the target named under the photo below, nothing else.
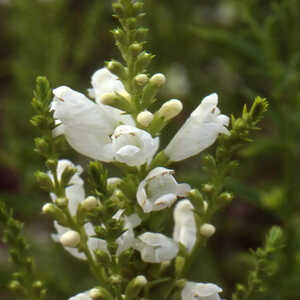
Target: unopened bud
(14, 285)
(117, 68)
(207, 188)
(205, 206)
(207, 230)
(44, 181)
(141, 79)
(61, 201)
(227, 197)
(145, 118)
(114, 181)
(48, 208)
(135, 48)
(170, 109)
(158, 79)
(108, 98)
(100, 294)
(90, 203)
(70, 239)
(135, 286)
(143, 60)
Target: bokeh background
(239, 49)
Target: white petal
(199, 131)
(201, 291)
(133, 146)
(185, 230)
(159, 190)
(183, 189)
(103, 81)
(87, 126)
(81, 296)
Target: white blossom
(160, 190)
(75, 191)
(133, 146)
(87, 125)
(156, 247)
(199, 131)
(185, 230)
(103, 82)
(200, 291)
(92, 242)
(127, 239)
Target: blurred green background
(237, 48)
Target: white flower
(185, 230)
(103, 82)
(200, 291)
(87, 126)
(75, 191)
(127, 239)
(156, 247)
(133, 146)
(92, 243)
(199, 131)
(81, 296)
(160, 190)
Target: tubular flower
(75, 191)
(133, 146)
(156, 247)
(160, 190)
(200, 291)
(93, 243)
(87, 126)
(185, 230)
(103, 82)
(199, 131)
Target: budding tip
(158, 79)
(207, 230)
(141, 79)
(145, 118)
(170, 109)
(70, 238)
(108, 98)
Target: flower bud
(158, 79)
(207, 230)
(135, 48)
(55, 212)
(61, 201)
(114, 181)
(145, 118)
(108, 98)
(15, 285)
(170, 109)
(117, 68)
(100, 294)
(44, 181)
(143, 60)
(90, 203)
(70, 239)
(207, 188)
(205, 206)
(135, 286)
(141, 79)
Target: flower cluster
(118, 225)
(108, 134)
